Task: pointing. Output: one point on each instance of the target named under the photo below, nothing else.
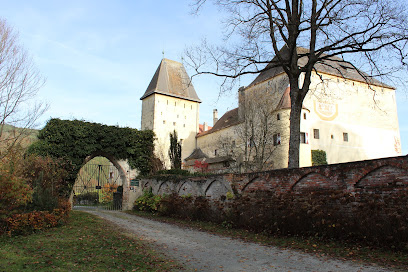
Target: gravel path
(200, 251)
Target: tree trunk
(295, 115)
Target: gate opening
(98, 184)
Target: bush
(26, 223)
(319, 157)
(148, 202)
(368, 218)
(14, 194)
(186, 207)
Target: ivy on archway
(75, 140)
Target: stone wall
(380, 176)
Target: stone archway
(120, 178)
(78, 142)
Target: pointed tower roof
(171, 79)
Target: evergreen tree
(175, 151)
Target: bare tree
(268, 34)
(256, 138)
(20, 82)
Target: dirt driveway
(200, 251)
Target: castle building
(345, 113)
(169, 104)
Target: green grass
(319, 247)
(86, 243)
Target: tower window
(164, 121)
(304, 138)
(174, 123)
(278, 116)
(276, 139)
(167, 102)
(345, 136)
(316, 134)
(304, 116)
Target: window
(177, 116)
(278, 116)
(304, 116)
(276, 139)
(181, 141)
(332, 136)
(164, 121)
(184, 125)
(167, 102)
(175, 104)
(316, 134)
(191, 106)
(215, 152)
(174, 123)
(304, 138)
(345, 136)
(233, 144)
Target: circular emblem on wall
(326, 111)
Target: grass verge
(352, 252)
(86, 243)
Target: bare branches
(19, 83)
(268, 34)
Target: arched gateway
(127, 152)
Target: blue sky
(99, 56)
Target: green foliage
(319, 157)
(76, 140)
(148, 201)
(175, 151)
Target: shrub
(371, 218)
(147, 202)
(319, 157)
(26, 223)
(187, 207)
(14, 194)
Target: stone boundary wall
(383, 176)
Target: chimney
(215, 116)
(241, 103)
(205, 126)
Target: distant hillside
(30, 135)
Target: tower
(171, 103)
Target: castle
(342, 114)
